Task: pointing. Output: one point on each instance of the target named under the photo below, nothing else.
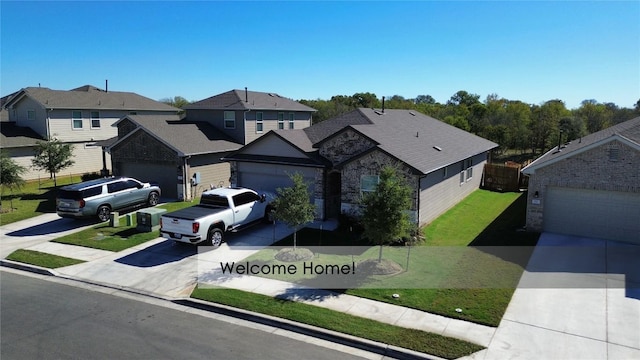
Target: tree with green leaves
(10, 174)
(52, 156)
(292, 206)
(384, 216)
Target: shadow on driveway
(159, 254)
(52, 227)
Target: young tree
(292, 206)
(52, 156)
(10, 174)
(384, 217)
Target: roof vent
(270, 94)
(412, 113)
(377, 112)
(437, 148)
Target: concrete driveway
(578, 299)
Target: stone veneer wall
(371, 164)
(344, 146)
(592, 169)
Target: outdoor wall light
(536, 195)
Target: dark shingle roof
(17, 136)
(187, 138)
(236, 100)
(628, 130)
(410, 136)
(90, 97)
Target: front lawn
(463, 264)
(417, 340)
(105, 237)
(34, 198)
(37, 258)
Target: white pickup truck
(220, 210)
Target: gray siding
(438, 193)
(213, 172)
(19, 114)
(273, 146)
(216, 119)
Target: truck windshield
(214, 200)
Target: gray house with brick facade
(182, 156)
(590, 186)
(341, 158)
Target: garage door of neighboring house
(593, 213)
(269, 177)
(164, 175)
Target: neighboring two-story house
(184, 155)
(246, 115)
(82, 117)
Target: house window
(76, 119)
(614, 154)
(95, 120)
(259, 126)
(133, 113)
(462, 177)
(229, 119)
(368, 183)
(31, 115)
(469, 166)
(280, 121)
(291, 120)
(444, 172)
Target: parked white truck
(220, 210)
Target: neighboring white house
(82, 117)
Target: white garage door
(269, 177)
(593, 213)
(164, 175)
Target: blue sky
(529, 51)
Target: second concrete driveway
(578, 299)
(164, 268)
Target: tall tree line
(513, 124)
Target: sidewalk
(164, 269)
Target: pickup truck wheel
(154, 199)
(104, 213)
(214, 237)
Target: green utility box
(149, 219)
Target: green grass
(105, 237)
(439, 278)
(34, 198)
(487, 220)
(465, 221)
(417, 340)
(42, 259)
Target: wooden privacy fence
(507, 177)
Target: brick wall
(596, 169)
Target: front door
(334, 193)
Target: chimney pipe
(383, 104)
(106, 85)
(246, 95)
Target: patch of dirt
(292, 255)
(375, 267)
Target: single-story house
(341, 158)
(589, 186)
(182, 156)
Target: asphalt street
(42, 319)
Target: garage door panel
(269, 177)
(162, 174)
(593, 213)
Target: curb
(296, 327)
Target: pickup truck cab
(220, 210)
